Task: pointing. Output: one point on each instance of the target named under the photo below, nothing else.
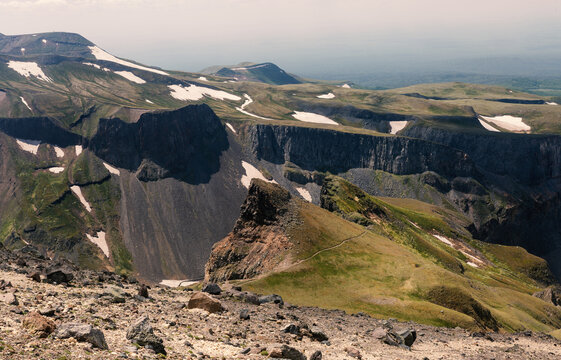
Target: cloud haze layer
(304, 36)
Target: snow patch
(99, 240)
(346, 86)
(100, 54)
(202, 78)
(251, 172)
(508, 122)
(149, 102)
(28, 69)
(112, 169)
(92, 64)
(130, 76)
(326, 96)
(476, 262)
(177, 283)
(44, 41)
(78, 149)
(25, 103)
(249, 100)
(78, 192)
(304, 193)
(313, 118)
(56, 170)
(59, 152)
(31, 146)
(397, 126)
(231, 128)
(552, 103)
(487, 126)
(194, 92)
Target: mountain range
(437, 203)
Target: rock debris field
(51, 310)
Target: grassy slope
(389, 270)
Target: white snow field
(552, 103)
(25, 103)
(56, 169)
(313, 118)
(251, 172)
(249, 100)
(231, 128)
(100, 241)
(78, 192)
(28, 69)
(78, 149)
(326, 96)
(487, 126)
(149, 102)
(130, 76)
(103, 55)
(112, 169)
(397, 126)
(59, 152)
(346, 86)
(194, 92)
(508, 122)
(31, 146)
(202, 78)
(304, 193)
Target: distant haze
(309, 37)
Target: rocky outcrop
(258, 243)
(39, 128)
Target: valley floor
(190, 334)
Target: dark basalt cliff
(336, 152)
(528, 159)
(185, 144)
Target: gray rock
(142, 333)
(143, 291)
(316, 355)
(271, 299)
(212, 289)
(59, 277)
(287, 352)
(9, 298)
(82, 332)
(244, 314)
(409, 337)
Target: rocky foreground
(55, 311)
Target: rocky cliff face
(328, 150)
(258, 243)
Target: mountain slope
(396, 266)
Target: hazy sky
(304, 36)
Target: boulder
(35, 276)
(116, 293)
(38, 325)
(404, 339)
(353, 352)
(316, 355)
(143, 291)
(142, 333)
(287, 352)
(200, 300)
(276, 299)
(244, 314)
(82, 332)
(59, 277)
(9, 298)
(212, 289)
